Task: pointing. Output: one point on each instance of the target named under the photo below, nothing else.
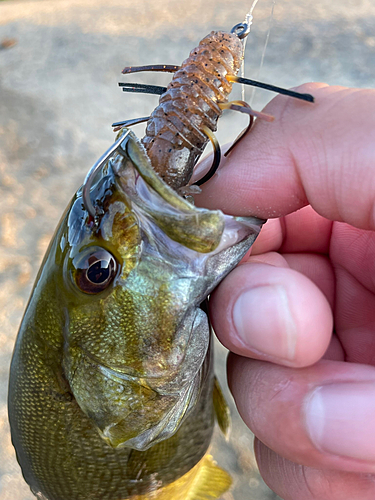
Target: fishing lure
(112, 394)
(185, 119)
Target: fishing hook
(87, 184)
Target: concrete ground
(60, 62)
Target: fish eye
(94, 270)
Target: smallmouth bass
(111, 387)
(112, 394)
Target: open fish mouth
(157, 204)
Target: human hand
(307, 394)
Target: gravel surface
(59, 67)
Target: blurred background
(60, 62)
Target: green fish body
(111, 386)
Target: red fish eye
(94, 270)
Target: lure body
(174, 137)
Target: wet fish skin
(111, 394)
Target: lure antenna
(166, 68)
(273, 88)
(142, 88)
(129, 123)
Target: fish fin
(205, 481)
(209, 481)
(222, 410)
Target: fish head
(136, 342)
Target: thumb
(321, 154)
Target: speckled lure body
(174, 138)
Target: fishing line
(249, 21)
(270, 26)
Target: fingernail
(264, 322)
(340, 419)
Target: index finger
(321, 154)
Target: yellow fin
(222, 410)
(205, 481)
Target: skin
(311, 172)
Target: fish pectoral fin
(205, 481)
(222, 410)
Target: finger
(346, 279)
(271, 312)
(318, 269)
(292, 481)
(306, 231)
(320, 416)
(319, 153)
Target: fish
(112, 393)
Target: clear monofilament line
(264, 50)
(248, 20)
